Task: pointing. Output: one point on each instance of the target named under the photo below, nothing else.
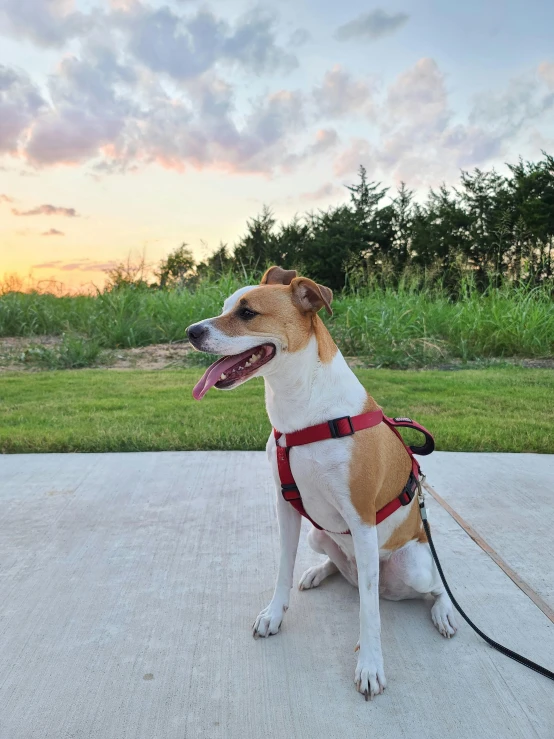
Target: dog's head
(258, 325)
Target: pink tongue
(214, 371)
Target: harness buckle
(287, 488)
(408, 494)
(335, 430)
(406, 497)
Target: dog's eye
(246, 314)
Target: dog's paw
(442, 614)
(269, 620)
(313, 577)
(370, 676)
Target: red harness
(337, 429)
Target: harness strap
(334, 429)
(338, 428)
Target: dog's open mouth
(227, 371)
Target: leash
(495, 645)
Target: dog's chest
(321, 473)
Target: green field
(506, 409)
(409, 325)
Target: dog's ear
(278, 276)
(310, 296)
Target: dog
(274, 331)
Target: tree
(365, 196)
(492, 226)
(177, 268)
(257, 247)
(338, 236)
(532, 190)
(217, 264)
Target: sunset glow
(130, 126)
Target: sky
(131, 127)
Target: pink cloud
(47, 210)
(46, 265)
(341, 95)
(86, 266)
(82, 265)
(348, 161)
(419, 142)
(53, 232)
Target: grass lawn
(506, 409)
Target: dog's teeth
(247, 364)
(223, 376)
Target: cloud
(92, 104)
(326, 191)
(419, 142)
(186, 47)
(20, 102)
(5, 199)
(252, 43)
(359, 152)
(546, 72)
(526, 98)
(47, 265)
(111, 103)
(299, 37)
(81, 265)
(52, 232)
(213, 138)
(47, 22)
(418, 98)
(151, 84)
(117, 118)
(341, 95)
(86, 266)
(373, 25)
(325, 140)
(47, 210)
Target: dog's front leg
(269, 620)
(370, 675)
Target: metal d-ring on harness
(338, 428)
(495, 645)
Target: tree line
(494, 226)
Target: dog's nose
(196, 331)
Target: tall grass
(127, 317)
(408, 325)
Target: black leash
(508, 652)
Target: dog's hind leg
(322, 543)
(314, 576)
(410, 573)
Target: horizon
(126, 125)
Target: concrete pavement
(129, 582)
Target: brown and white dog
(273, 330)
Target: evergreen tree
(491, 226)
